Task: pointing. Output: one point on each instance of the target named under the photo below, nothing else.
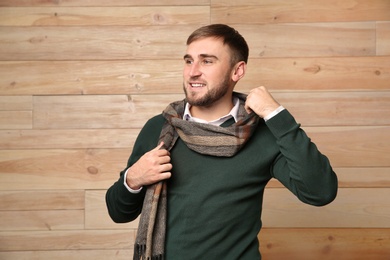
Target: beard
(211, 96)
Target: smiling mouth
(197, 85)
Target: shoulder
(152, 128)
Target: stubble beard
(210, 97)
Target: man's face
(207, 72)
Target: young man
(198, 171)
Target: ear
(238, 71)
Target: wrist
(133, 188)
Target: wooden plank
(147, 77)
(303, 11)
(341, 244)
(383, 38)
(118, 42)
(42, 200)
(91, 77)
(352, 208)
(345, 146)
(120, 111)
(68, 254)
(102, 111)
(338, 108)
(101, 16)
(45, 170)
(15, 103)
(66, 240)
(67, 138)
(321, 244)
(310, 40)
(101, 2)
(370, 177)
(93, 42)
(24, 220)
(96, 215)
(353, 146)
(331, 74)
(15, 119)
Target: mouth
(197, 85)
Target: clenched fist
(152, 167)
(261, 102)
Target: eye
(207, 61)
(188, 61)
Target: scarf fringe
(139, 253)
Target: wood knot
(313, 69)
(92, 170)
(37, 39)
(158, 18)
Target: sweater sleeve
(300, 166)
(122, 205)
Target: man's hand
(152, 167)
(261, 102)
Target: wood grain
(269, 11)
(342, 148)
(318, 74)
(37, 220)
(42, 200)
(98, 112)
(68, 254)
(67, 138)
(117, 3)
(96, 215)
(66, 240)
(58, 169)
(15, 103)
(141, 42)
(92, 42)
(119, 111)
(281, 209)
(383, 38)
(147, 77)
(102, 16)
(345, 244)
(15, 120)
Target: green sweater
(214, 203)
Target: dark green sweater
(214, 203)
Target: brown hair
(237, 43)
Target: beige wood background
(78, 79)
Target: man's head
(215, 61)
(229, 36)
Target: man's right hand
(152, 167)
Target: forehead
(208, 46)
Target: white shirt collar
(233, 113)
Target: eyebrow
(187, 56)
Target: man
(198, 171)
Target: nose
(194, 70)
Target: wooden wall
(78, 79)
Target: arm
(147, 164)
(299, 166)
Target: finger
(247, 107)
(158, 147)
(164, 159)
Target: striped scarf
(202, 138)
